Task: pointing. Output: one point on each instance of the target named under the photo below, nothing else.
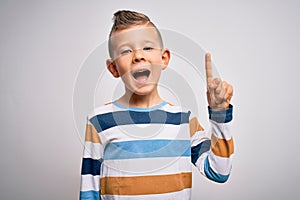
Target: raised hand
(219, 92)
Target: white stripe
(220, 130)
(220, 165)
(200, 163)
(146, 132)
(199, 137)
(102, 109)
(112, 108)
(180, 195)
(146, 166)
(173, 109)
(93, 150)
(90, 182)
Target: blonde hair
(124, 19)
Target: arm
(91, 163)
(213, 155)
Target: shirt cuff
(221, 116)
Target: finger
(208, 68)
(218, 85)
(213, 84)
(219, 88)
(229, 92)
(210, 96)
(224, 87)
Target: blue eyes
(128, 51)
(147, 48)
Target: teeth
(141, 73)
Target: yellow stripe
(143, 185)
(222, 147)
(91, 134)
(195, 126)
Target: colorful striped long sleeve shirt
(147, 153)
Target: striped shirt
(147, 153)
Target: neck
(140, 101)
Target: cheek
(125, 74)
(156, 59)
(122, 71)
(123, 68)
(156, 72)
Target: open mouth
(141, 76)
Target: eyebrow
(144, 41)
(149, 41)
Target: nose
(138, 56)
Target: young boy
(140, 146)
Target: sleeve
(212, 150)
(91, 164)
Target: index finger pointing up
(208, 68)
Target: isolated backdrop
(44, 44)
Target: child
(140, 146)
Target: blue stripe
(199, 149)
(91, 166)
(90, 195)
(147, 149)
(108, 120)
(221, 116)
(212, 175)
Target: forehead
(135, 34)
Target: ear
(166, 56)
(111, 66)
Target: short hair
(124, 19)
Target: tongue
(142, 78)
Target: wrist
(221, 115)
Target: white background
(255, 45)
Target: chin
(145, 90)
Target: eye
(147, 48)
(126, 51)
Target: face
(138, 58)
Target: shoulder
(169, 107)
(194, 120)
(103, 109)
